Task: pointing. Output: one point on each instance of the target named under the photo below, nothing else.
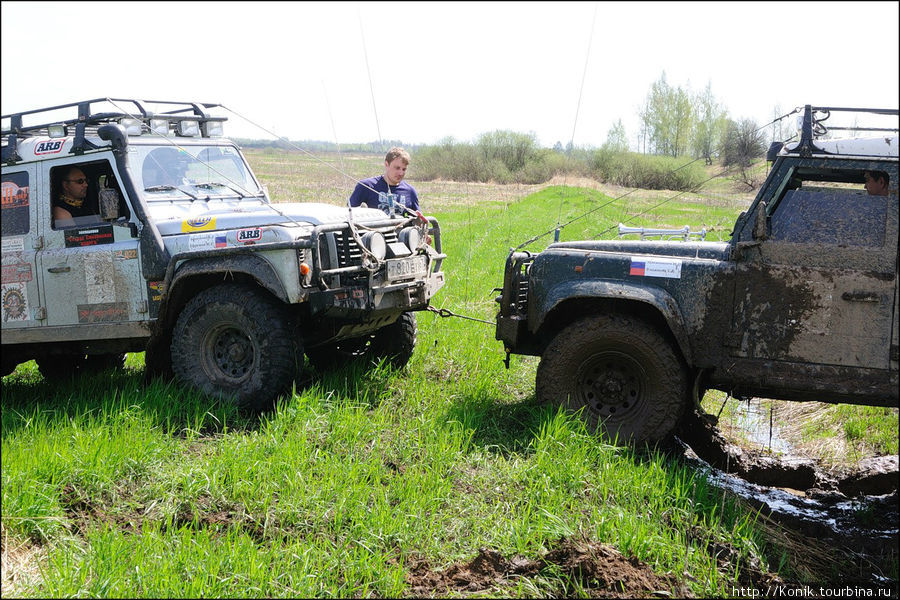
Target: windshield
(192, 172)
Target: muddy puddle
(854, 513)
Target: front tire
(627, 379)
(238, 343)
(394, 343)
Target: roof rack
(87, 118)
(812, 127)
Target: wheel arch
(199, 274)
(567, 304)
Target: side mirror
(109, 200)
(759, 225)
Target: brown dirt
(599, 569)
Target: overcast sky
(439, 69)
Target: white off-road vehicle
(177, 250)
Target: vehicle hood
(694, 249)
(179, 217)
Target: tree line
(678, 129)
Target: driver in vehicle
(72, 199)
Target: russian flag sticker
(637, 268)
(220, 241)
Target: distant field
(379, 483)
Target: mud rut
(845, 528)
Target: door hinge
(142, 307)
(38, 242)
(40, 313)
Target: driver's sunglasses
(81, 181)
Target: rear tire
(627, 379)
(238, 343)
(394, 343)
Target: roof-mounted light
(132, 126)
(212, 129)
(187, 128)
(159, 126)
(56, 131)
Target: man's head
(75, 184)
(395, 163)
(877, 183)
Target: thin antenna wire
(577, 110)
(333, 128)
(369, 72)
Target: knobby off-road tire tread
(263, 319)
(666, 376)
(395, 343)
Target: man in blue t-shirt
(396, 162)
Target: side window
(16, 204)
(75, 191)
(835, 217)
(832, 208)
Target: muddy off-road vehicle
(176, 249)
(800, 304)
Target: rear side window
(16, 204)
(839, 217)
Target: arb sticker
(50, 146)
(249, 235)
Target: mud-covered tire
(627, 379)
(394, 343)
(238, 343)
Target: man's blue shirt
(406, 194)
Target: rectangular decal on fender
(656, 267)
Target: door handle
(59, 269)
(858, 296)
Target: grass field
(372, 483)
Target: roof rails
(812, 127)
(83, 115)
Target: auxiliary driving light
(188, 128)
(132, 126)
(411, 237)
(375, 243)
(159, 126)
(212, 129)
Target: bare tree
(744, 141)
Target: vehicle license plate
(405, 268)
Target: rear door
(20, 291)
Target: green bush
(507, 157)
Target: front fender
(565, 293)
(179, 287)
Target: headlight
(411, 237)
(375, 243)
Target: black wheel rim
(229, 353)
(611, 385)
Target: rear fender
(565, 297)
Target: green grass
(151, 490)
